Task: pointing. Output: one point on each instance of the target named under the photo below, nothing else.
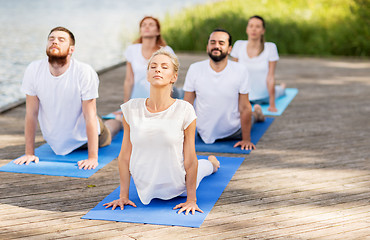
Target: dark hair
(260, 18)
(223, 30)
(160, 41)
(262, 37)
(63, 29)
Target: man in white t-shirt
(61, 93)
(220, 90)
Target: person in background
(61, 95)
(158, 147)
(220, 89)
(137, 56)
(260, 58)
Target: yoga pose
(158, 148)
(260, 58)
(137, 55)
(220, 89)
(61, 93)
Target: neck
(160, 99)
(254, 43)
(57, 69)
(149, 46)
(149, 43)
(218, 66)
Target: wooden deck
(308, 179)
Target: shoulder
(198, 67)
(270, 45)
(235, 65)
(169, 49)
(237, 68)
(38, 63)
(240, 43)
(184, 104)
(133, 48)
(133, 103)
(81, 65)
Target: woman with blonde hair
(158, 147)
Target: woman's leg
(279, 91)
(205, 168)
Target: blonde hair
(174, 59)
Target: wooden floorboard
(309, 177)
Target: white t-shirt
(134, 55)
(258, 67)
(60, 109)
(156, 162)
(217, 98)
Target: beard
(217, 58)
(59, 58)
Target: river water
(102, 28)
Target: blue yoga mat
(57, 165)
(161, 212)
(109, 116)
(281, 103)
(258, 129)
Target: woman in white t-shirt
(158, 148)
(137, 56)
(260, 58)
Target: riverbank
(309, 177)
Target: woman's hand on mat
(88, 164)
(119, 203)
(272, 109)
(187, 207)
(245, 145)
(26, 159)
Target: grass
(303, 27)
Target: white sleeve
(125, 109)
(28, 86)
(89, 83)
(189, 85)
(245, 86)
(190, 115)
(169, 49)
(236, 49)
(129, 53)
(273, 52)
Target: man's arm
(32, 112)
(89, 111)
(245, 109)
(190, 97)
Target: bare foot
(283, 85)
(258, 114)
(215, 163)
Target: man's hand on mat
(187, 207)
(245, 145)
(26, 159)
(272, 109)
(119, 203)
(88, 164)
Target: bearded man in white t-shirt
(219, 90)
(61, 94)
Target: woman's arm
(271, 85)
(124, 172)
(128, 84)
(191, 168)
